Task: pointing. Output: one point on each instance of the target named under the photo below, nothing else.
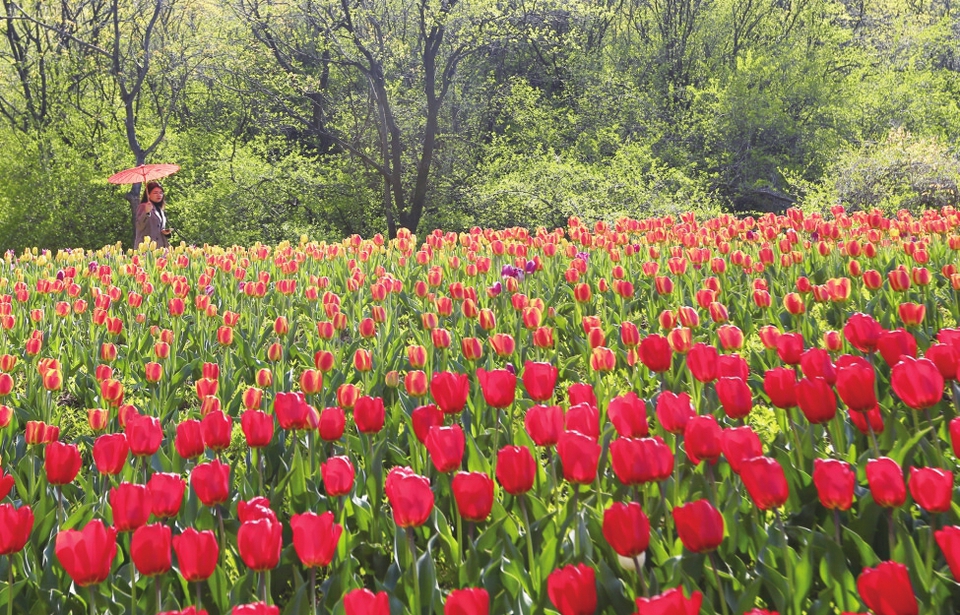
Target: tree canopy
(333, 117)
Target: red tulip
(673, 411)
(539, 379)
(702, 362)
(197, 554)
(955, 435)
(917, 382)
(790, 348)
(256, 608)
(291, 410)
(415, 383)
(211, 482)
(947, 359)
(130, 506)
(15, 527)
(165, 494)
(338, 475)
(816, 400)
(931, 488)
(189, 439)
(472, 601)
(886, 482)
(446, 446)
(731, 337)
(423, 419)
(639, 461)
(886, 589)
(896, 344)
(257, 508)
(655, 353)
(670, 602)
(259, 542)
(311, 381)
(544, 424)
(628, 413)
(333, 421)
(626, 529)
(581, 393)
(110, 453)
(834, 480)
(61, 463)
(315, 538)
(498, 387)
(949, 540)
(369, 414)
(150, 549)
(702, 435)
(733, 366)
(583, 418)
(257, 427)
(410, 497)
(573, 590)
(87, 554)
(780, 385)
(862, 332)
(699, 525)
(450, 391)
(216, 429)
(144, 435)
(816, 363)
(912, 313)
(739, 444)
(735, 397)
(365, 602)
(579, 455)
(765, 482)
(473, 493)
(516, 469)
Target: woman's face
(156, 195)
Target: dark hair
(149, 188)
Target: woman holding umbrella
(151, 220)
(149, 215)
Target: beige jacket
(149, 226)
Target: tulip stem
(639, 569)
(873, 436)
(676, 468)
(713, 482)
(223, 543)
(198, 603)
(60, 514)
(259, 454)
(263, 586)
(156, 587)
(716, 578)
(10, 584)
(416, 575)
(836, 525)
(787, 555)
(496, 433)
(133, 577)
(529, 537)
(313, 590)
(936, 437)
(92, 602)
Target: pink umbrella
(143, 173)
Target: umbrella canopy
(143, 173)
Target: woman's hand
(166, 232)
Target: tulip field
(661, 416)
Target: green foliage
(901, 172)
(51, 194)
(545, 110)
